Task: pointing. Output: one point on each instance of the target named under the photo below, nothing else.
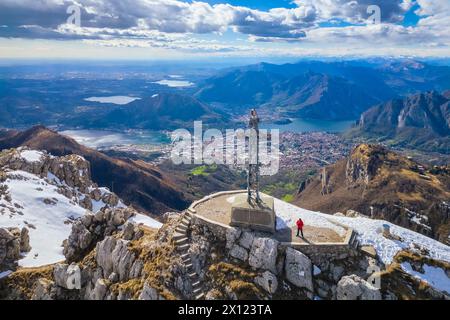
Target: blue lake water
(104, 138)
(120, 100)
(175, 83)
(310, 125)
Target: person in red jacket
(300, 225)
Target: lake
(120, 100)
(175, 83)
(310, 125)
(105, 139)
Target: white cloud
(178, 25)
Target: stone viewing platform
(217, 209)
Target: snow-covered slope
(369, 232)
(37, 205)
(43, 205)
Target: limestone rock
(148, 293)
(263, 254)
(268, 281)
(110, 199)
(67, 276)
(9, 245)
(96, 194)
(298, 268)
(355, 288)
(246, 239)
(80, 239)
(91, 228)
(239, 253)
(232, 235)
(113, 255)
(25, 240)
(100, 290)
(128, 231)
(86, 202)
(42, 290)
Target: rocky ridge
(135, 262)
(70, 177)
(382, 184)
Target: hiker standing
(300, 225)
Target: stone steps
(178, 236)
(181, 229)
(186, 261)
(197, 291)
(200, 296)
(183, 248)
(185, 256)
(192, 275)
(181, 241)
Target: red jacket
(300, 223)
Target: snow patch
(31, 155)
(288, 214)
(316, 270)
(434, 276)
(369, 232)
(48, 224)
(145, 220)
(5, 274)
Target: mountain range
(310, 89)
(136, 182)
(383, 184)
(421, 121)
(160, 111)
(319, 90)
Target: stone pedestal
(256, 216)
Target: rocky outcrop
(44, 289)
(263, 254)
(298, 268)
(363, 163)
(268, 281)
(71, 173)
(354, 288)
(113, 256)
(149, 293)
(91, 228)
(74, 170)
(381, 184)
(13, 241)
(67, 276)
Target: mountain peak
(421, 120)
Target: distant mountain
(385, 185)
(138, 183)
(158, 112)
(313, 89)
(421, 121)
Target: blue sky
(174, 29)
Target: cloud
(353, 11)
(168, 16)
(175, 24)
